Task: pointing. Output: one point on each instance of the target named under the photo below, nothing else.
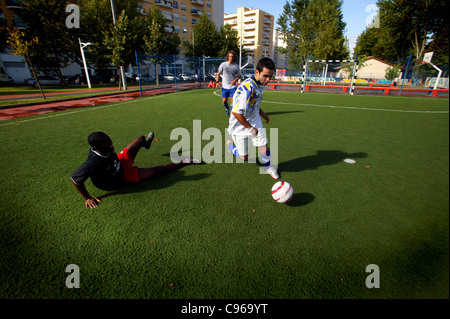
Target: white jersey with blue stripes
(246, 101)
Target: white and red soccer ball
(282, 192)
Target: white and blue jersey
(246, 101)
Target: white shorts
(241, 141)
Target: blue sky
(354, 11)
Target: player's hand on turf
(92, 202)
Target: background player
(230, 76)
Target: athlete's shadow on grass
(282, 112)
(158, 182)
(322, 158)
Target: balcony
(267, 28)
(268, 21)
(196, 11)
(164, 3)
(249, 48)
(266, 35)
(167, 15)
(249, 27)
(231, 22)
(198, 2)
(169, 28)
(251, 19)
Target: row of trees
(408, 27)
(50, 44)
(316, 28)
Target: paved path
(23, 110)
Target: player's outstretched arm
(89, 201)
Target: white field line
(351, 107)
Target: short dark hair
(96, 139)
(265, 63)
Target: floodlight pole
(122, 72)
(82, 46)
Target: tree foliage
(313, 27)
(46, 20)
(406, 26)
(24, 47)
(205, 39)
(97, 24)
(393, 72)
(158, 41)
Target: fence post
(200, 71)
(175, 71)
(404, 74)
(139, 73)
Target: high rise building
(280, 59)
(181, 15)
(255, 31)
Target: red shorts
(131, 174)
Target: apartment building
(280, 59)
(255, 30)
(181, 15)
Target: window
(208, 3)
(176, 16)
(183, 18)
(184, 29)
(183, 6)
(175, 4)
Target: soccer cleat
(272, 172)
(227, 111)
(149, 139)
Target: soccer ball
(282, 192)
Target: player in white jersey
(245, 121)
(230, 76)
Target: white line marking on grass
(352, 107)
(356, 108)
(89, 109)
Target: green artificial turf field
(213, 230)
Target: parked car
(44, 80)
(80, 79)
(129, 77)
(146, 78)
(169, 77)
(188, 77)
